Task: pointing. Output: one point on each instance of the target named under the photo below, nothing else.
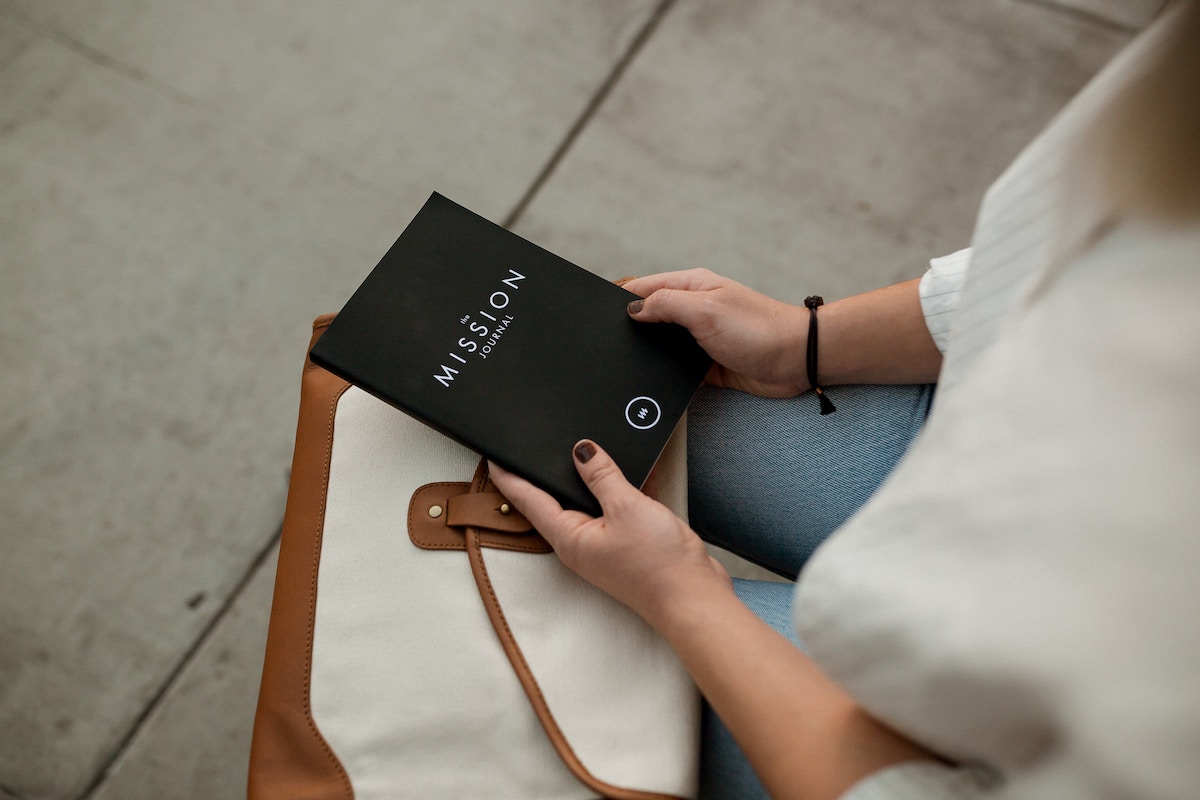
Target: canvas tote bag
(424, 643)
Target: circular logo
(643, 413)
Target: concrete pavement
(184, 186)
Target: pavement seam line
(189, 655)
(211, 112)
(102, 60)
(589, 111)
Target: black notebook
(512, 351)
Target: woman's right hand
(758, 343)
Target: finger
(689, 279)
(602, 475)
(692, 309)
(542, 510)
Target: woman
(1010, 613)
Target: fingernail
(584, 451)
(636, 306)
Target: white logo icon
(643, 413)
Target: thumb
(602, 475)
(667, 305)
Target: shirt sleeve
(940, 288)
(924, 780)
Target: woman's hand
(802, 733)
(757, 342)
(638, 551)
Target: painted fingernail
(636, 306)
(584, 451)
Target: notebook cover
(512, 351)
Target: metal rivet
(435, 511)
(505, 509)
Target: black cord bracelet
(811, 303)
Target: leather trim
(289, 758)
(426, 532)
(461, 508)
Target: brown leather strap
(529, 682)
(488, 510)
(475, 541)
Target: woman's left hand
(638, 551)
(804, 735)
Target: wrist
(835, 357)
(790, 362)
(877, 337)
(686, 607)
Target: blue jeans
(769, 480)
